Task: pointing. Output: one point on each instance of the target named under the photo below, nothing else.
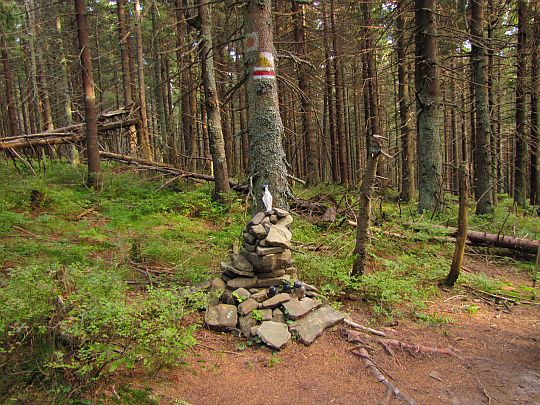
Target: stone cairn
(258, 294)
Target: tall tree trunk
(92, 148)
(144, 140)
(427, 106)
(329, 89)
(66, 94)
(407, 151)
(535, 117)
(213, 114)
(13, 125)
(482, 159)
(304, 83)
(267, 158)
(30, 22)
(341, 136)
(374, 153)
(520, 162)
(123, 40)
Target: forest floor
(499, 346)
(84, 272)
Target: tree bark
(520, 162)
(123, 41)
(534, 196)
(427, 106)
(13, 125)
(461, 236)
(304, 83)
(267, 157)
(92, 148)
(407, 154)
(213, 114)
(144, 139)
(482, 159)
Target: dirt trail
(500, 349)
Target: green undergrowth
(94, 283)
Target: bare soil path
(500, 365)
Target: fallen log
(165, 169)
(59, 136)
(488, 239)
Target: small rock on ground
(274, 334)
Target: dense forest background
(479, 67)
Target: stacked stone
(245, 303)
(266, 258)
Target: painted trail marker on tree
(265, 66)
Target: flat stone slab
(274, 334)
(272, 274)
(263, 251)
(313, 325)
(296, 309)
(259, 231)
(285, 221)
(221, 317)
(217, 284)
(242, 282)
(257, 218)
(276, 261)
(241, 294)
(239, 262)
(247, 306)
(249, 238)
(232, 271)
(266, 314)
(267, 282)
(281, 212)
(278, 316)
(278, 236)
(275, 301)
(246, 324)
(260, 296)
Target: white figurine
(267, 198)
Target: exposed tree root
(417, 348)
(391, 390)
(363, 328)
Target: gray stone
(260, 296)
(249, 238)
(278, 316)
(267, 282)
(263, 243)
(246, 324)
(250, 248)
(253, 290)
(257, 218)
(228, 298)
(253, 258)
(277, 237)
(239, 262)
(273, 219)
(226, 277)
(233, 272)
(241, 294)
(266, 314)
(272, 274)
(281, 212)
(253, 330)
(242, 282)
(265, 221)
(258, 231)
(221, 317)
(218, 284)
(276, 261)
(247, 306)
(296, 309)
(263, 251)
(285, 221)
(275, 301)
(274, 334)
(313, 325)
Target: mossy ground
(182, 235)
